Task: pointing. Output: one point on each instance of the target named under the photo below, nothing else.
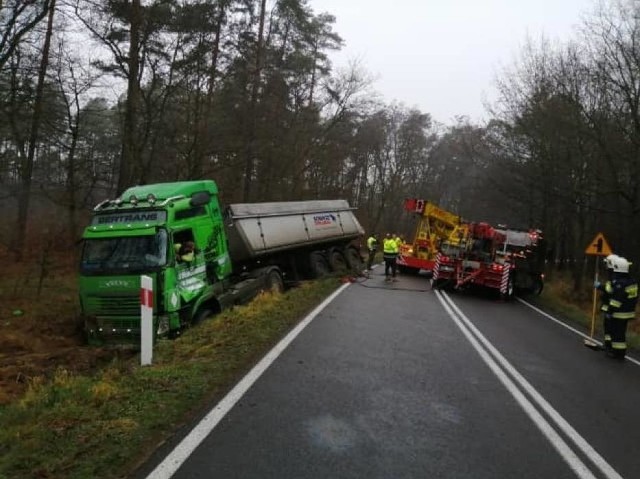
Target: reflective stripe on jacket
(606, 290)
(623, 297)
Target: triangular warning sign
(599, 246)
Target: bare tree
(17, 19)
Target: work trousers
(618, 337)
(390, 264)
(372, 254)
(606, 326)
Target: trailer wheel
(318, 264)
(337, 261)
(275, 284)
(353, 259)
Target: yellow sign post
(597, 247)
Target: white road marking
(579, 333)
(495, 361)
(182, 451)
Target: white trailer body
(259, 229)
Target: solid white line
(554, 438)
(182, 451)
(555, 416)
(579, 333)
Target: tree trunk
(26, 169)
(71, 172)
(251, 120)
(203, 143)
(130, 158)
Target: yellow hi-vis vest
(390, 246)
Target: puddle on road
(332, 433)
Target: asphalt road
(397, 381)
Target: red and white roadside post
(146, 320)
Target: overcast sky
(442, 56)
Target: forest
(99, 95)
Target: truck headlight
(163, 325)
(90, 324)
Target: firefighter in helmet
(604, 301)
(622, 295)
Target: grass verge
(79, 426)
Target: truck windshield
(127, 254)
(450, 250)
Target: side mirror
(200, 198)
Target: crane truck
(238, 252)
(504, 260)
(435, 227)
(477, 261)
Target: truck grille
(113, 305)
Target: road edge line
(570, 328)
(172, 462)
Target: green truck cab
(145, 232)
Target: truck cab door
(190, 269)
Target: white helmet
(620, 265)
(609, 260)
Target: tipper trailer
(237, 252)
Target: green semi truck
(202, 258)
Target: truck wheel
(201, 315)
(337, 261)
(275, 284)
(354, 260)
(318, 264)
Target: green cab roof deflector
(162, 191)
